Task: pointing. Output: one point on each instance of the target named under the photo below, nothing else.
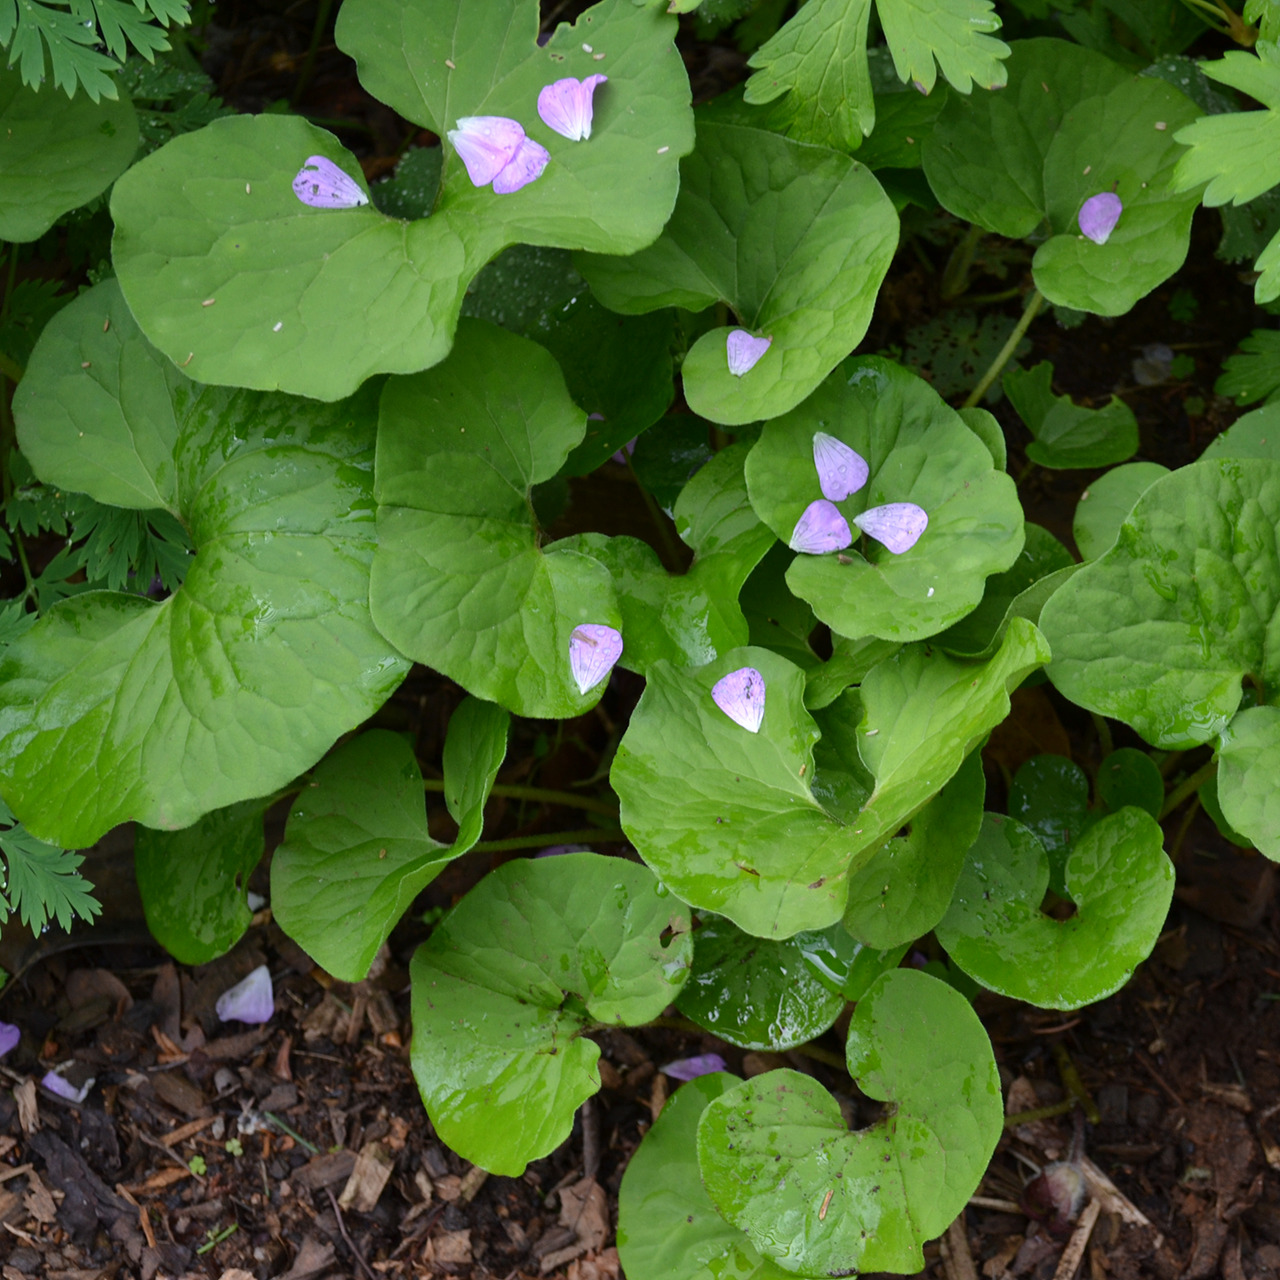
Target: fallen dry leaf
(24, 1095)
(364, 1186)
(585, 1211)
(449, 1246)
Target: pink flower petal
(487, 144)
(744, 351)
(566, 106)
(841, 470)
(703, 1064)
(821, 529)
(322, 185)
(9, 1037)
(251, 1000)
(593, 649)
(740, 695)
(526, 166)
(897, 524)
(1099, 215)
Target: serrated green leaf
(1266, 288)
(266, 655)
(70, 40)
(955, 32)
(1116, 874)
(43, 881)
(1066, 435)
(540, 951)
(1255, 373)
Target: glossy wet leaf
(266, 655)
(1050, 797)
(1209, 799)
(983, 424)
(667, 1227)
(849, 663)
(776, 619)
(356, 848)
(56, 153)
(1067, 434)
(1256, 435)
(794, 239)
(1107, 501)
(617, 368)
(688, 618)
(540, 951)
(905, 888)
(1248, 765)
(459, 580)
(919, 450)
(1006, 595)
(756, 993)
(1163, 628)
(212, 214)
(195, 883)
(778, 1161)
(1116, 874)
(669, 454)
(1130, 777)
(1071, 124)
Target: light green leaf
(1116, 874)
(267, 654)
(983, 424)
(1163, 628)
(849, 663)
(195, 883)
(1248, 765)
(212, 214)
(955, 32)
(459, 579)
(905, 888)
(356, 849)
(778, 1161)
(1254, 374)
(1067, 435)
(795, 239)
(539, 952)
(1266, 289)
(667, 1227)
(757, 993)
(1255, 435)
(1106, 503)
(56, 153)
(42, 881)
(918, 450)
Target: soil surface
(301, 1149)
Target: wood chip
(159, 1180)
(179, 1093)
(448, 1188)
(185, 1131)
(39, 1202)
(1073, 1254)
(452, 1247)
(364, 1187)
(958, 1259)
(236, 1273)
(325, 1170)
(585, 1211)
(472, 1181)
(24, 1095)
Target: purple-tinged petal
(322, 185)
(526, 166)
(593, 649)
(702, 1064)
(821, 529)
(487, 144)
(841, 470)
(897, 524)
(566, 106)
(9, 1037)
(740, 695)
(1099, 215)
(65, 1089)
(251, 1000)
(744, 351)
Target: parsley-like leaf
(121, 544)
(1255, 373)
(955, 32)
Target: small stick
(1069, 1263)
(1075, 1086)
(822, 1213)
(342, 1228)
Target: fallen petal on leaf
(593, 649)
(740, 695)
(322, 185)
(526, 166)
(821, 529)
(251, 1000)
(1099, 215)
(897, 524)
(744, 351)
(702, 1064)
(487, 144)
(566, 106)
(841, 470)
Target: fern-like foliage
(83, 42)
(41, 882)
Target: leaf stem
(955, 275)
(1041, 1113)
(309, 63)
(590, 835)
(588, 803)
(669, 545)
(1104, 734)
(1188, 786)
(1029, 313)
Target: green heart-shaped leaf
(1130, 777)
(756, 993)
(1071, 124)
(1163, 628)
(1050, 797)
(539, 952)
(56, 153)
(1256, 435)
(918, 450)
(459, 579)
(667, 1227)
(905, 888)
(1066, 434)
(195, 883)
(356, 849)
(1107, 501)
(1248, 765)
(778, 1161)
(212, 215)
(1116, 874)
(264, 657)
(795, 239)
